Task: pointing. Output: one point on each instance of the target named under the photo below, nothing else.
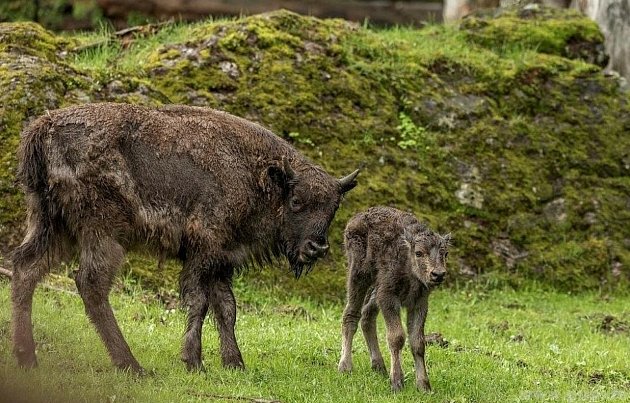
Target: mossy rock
(520, 154)
(548, 30)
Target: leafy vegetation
(497, 346)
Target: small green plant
(295, 136)
(412, 136)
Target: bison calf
(393, 261)
(215, 191)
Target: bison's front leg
(195, 290)
(224, 307)
(416, 317)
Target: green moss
(32, 79)
(522, 153)
(547, 30)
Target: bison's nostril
(437, 276)
(316, 249)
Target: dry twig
(241, 398)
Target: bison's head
(310, 198)
(427, 254)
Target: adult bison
(210, 189)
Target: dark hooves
(195, 367)
(26, 360)
(397, 385)
(236, 364)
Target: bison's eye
(295, 203)
(418, 254)
(445, 255)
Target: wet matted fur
(213, 190)
(393, 261)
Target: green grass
(99, 50)
(503, 346)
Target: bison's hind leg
(100, 258)
(26, 275)
(41, 250)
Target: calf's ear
(408, 238)
(347, 183)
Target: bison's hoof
(345, 366)
(132, 367)
(238, 365)
(397, 385)
(233, 362)
(195, 366)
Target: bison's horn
(348, 182)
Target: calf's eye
(418, 254)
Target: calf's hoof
(344, 366)
(397, 385)
(26, 360)
(27, 363)
(424, 385)
(379, 366)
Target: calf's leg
(416, 316)
(368, 326)
(357, 286)
(390, 306)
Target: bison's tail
(41, 237)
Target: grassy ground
(502, 346)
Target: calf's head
(310, 198)
(427, 254)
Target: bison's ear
(348, 183)
(408, 238)
(281, 173)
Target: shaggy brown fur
(393, 261)
(213, 190)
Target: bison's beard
(296, 265)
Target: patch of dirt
(521, 364)
(514, 305)
(294, 311)
(609, 324)
(500, 327)
(437, 339)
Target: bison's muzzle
(312, 250)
